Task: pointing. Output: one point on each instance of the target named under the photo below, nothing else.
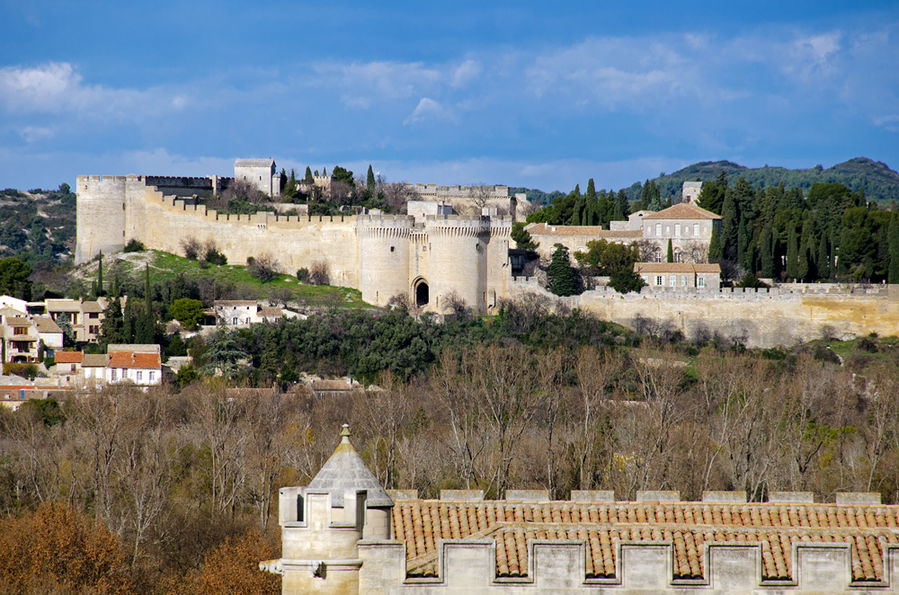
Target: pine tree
(893, 235)
(793, 254)
(670, 256)
(563, 279)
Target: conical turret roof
(345, 470)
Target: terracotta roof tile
(593, 231)
(68, 357)
(688, 526)
(130, 359)
(683, 210)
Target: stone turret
(322, 523)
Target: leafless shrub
(264, 267)
(191, 247)
(319, 273)
(400, 300)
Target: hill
(879, 182)
(38, 225)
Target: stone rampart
(764, 318)
(559, 566)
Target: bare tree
(318, 273)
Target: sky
(535, 94)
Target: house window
(659, 280)
(695, 229)
(139, 375)
(21, 330)
(700, 282)
(658, 230)
(112, 374)
(672, 280)
(677, 230)
(234, 320)
(392, 248)
(683, 280)
(152, 375)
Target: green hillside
(878, 181)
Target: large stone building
(343, 533)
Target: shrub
(28, 371)
(191, 248)
(318, 273)
(187, 311)
(263, 268)
(303, 275)
(212, 255)
(134, 246)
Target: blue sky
(519, 93)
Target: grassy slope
(165, 266)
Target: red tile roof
(68, 357)
(675, 267)
(592, 231)
(683, 210)
(130, 359)
(868, 529)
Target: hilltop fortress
(434, 259)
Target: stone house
(261, 174)
(680, 275)
(140, 365)
(343, 533)
(85, 316)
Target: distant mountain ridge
(879, 182)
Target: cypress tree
(670, 256)
(370, 182)
(744, 246)
(793, 254)
(893, 235)
(730, 227)
(823, 260)
(622, 208)
(99, 291)
(806, 252)
(715, 252)
(308, 177)
(766, 252)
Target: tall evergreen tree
(715, 251)
(893, 235)
(99, 291)
(806, 268)
(563, 279)
(766, 252)
(793, 254)
(730, 227)
(622, 207)
(370, 182)
(823, 260)
(670, 256)
(308, 179)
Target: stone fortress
(344, 533)
(434, 259)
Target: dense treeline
(171, 476)
(362, 344)
(590, 208)
(832, 234)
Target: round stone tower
(458, 259)
(383, 257)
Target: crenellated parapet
(385, 226)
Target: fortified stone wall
(756, 318)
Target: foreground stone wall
(757, 319)
(557, 566)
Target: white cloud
(58, 88)
(889, 122)
(466, 72)
(427, 109)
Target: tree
(766, 252)
(715, 252)
(825, 270)
(624, 281)
(224, 354)
(14, 278)
(112, 329)
(233, 567)
(607, 258)
(522, 239)
(263, 267)
(894, 248)
(308, 179)
(370, 183)
(187, 311)
(670, 254)
(793, 254)
(806, 268)
(563, 279)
